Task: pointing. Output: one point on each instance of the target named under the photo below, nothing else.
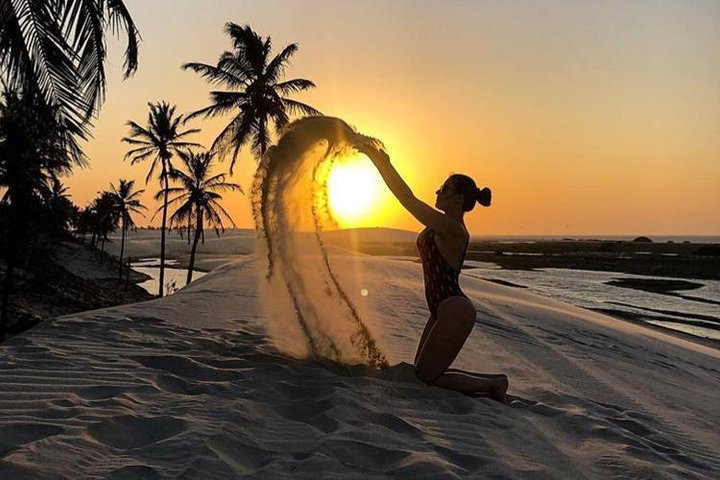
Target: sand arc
(309, 312)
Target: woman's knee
(425, 374)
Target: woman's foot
(499, 391)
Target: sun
(354, 187)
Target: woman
(442, 247)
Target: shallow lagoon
(175, 276)
(587, 289)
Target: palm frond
(276, 67)
(295, 85)
(139, 155)
(249, 46)
(222, 102)
(218, 75)
(219, 207)
(153, 165)
(298, 107)
(56, 49)
(120, 19)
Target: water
(511, 239)
(175, 276)
(587, 289)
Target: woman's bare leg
(454, 322)
(476, 374)
(495, 388)
(428, 326)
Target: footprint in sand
(126, 432)
(15, 436)
(186, 367)
(100, 392)
(173, 384)
(132, 472)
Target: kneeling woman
(442, 247)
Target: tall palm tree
(258, 93)
(160, 140)
(127, 203)
(198, 195)
(56, 50)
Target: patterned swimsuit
(441, 280)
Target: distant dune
(237, 242)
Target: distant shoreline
(686, 261)
(559, 237)
(699, 261)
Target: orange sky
(583, 117)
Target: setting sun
(354, 188)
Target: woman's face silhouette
(446, 196)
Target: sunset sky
(583, 117)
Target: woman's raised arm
(425, 214)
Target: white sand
(189, 387)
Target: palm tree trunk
(162, 231)
(188, 232)
(15, 231)
(122, 248)
(8, 281)
(198, 230)
(127, 274)
(263, 136)
(7, 285)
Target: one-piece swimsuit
(441, 280)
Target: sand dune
(190, 387)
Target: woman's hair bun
(484, 196)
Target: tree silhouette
(105, 216)
(160, 140)
(198, 195)
(58, 209)
(258, 94)
(56, 51)
(36, 146)
(127, 203)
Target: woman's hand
(377, 155)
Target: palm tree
(160, 140)
(35, 146)
(127, 203)
(258, 93)
(55, 191)
(106, 216)
(56, 50)
(198, 195)
(57, 206)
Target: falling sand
(309, 313)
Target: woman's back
(441, 278)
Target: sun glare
(354, 187)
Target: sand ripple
(137, 392)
